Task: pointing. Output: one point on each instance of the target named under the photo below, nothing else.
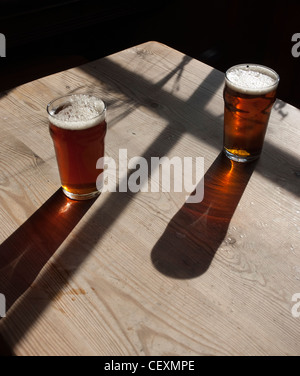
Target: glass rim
(266, 88)
(74, 95)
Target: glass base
(78, 197)
(238, 158)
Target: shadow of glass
(188, 245)
(24, 254)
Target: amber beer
(249, 94)
(78, 128)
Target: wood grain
(145, 273)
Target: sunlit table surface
(146, 273)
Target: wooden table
(145, 273)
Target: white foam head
(76, 112)
(252, 79)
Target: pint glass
(249, 95)
(78, 128)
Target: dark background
(44, 37)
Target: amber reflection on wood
(27, 250)
(191, 239)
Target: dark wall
(226, 33)
(53, 35)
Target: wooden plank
(145, 273)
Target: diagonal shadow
(193, 236)
(207, 127)
(5, 349)
(105, 218)
(24, 254)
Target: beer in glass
(249, 95)
(78, 128)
